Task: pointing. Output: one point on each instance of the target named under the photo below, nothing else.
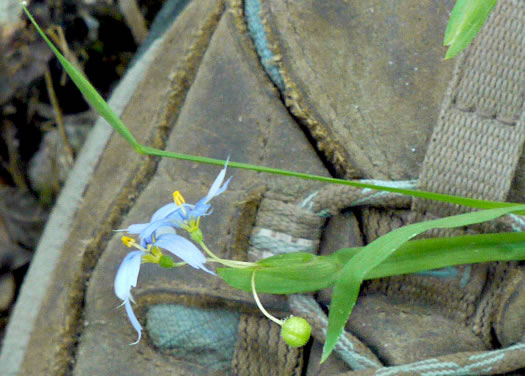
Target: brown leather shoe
(348, 88)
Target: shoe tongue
(361, 76)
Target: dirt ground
(44, 119)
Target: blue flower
(126, 278)
(185, 215)
(179, 214)
(128, 271)
(182, 248)
(160, 232)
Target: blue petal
(164, 211)
(127, 274)
(216, 188)
(165, 230)
(201, 208)
(179, 216)
(133, 320)
(182, 248)
(220, 190)
(136, 228)
(149, 229)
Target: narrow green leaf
(286, 274)
(105, 111)
(286, 258)
(90, 93)
(412, 257)
(347, 286)
(426, 254)
(466, 20)
(465, 201)
(454, 22)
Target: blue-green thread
(252, 10)
(201, 336)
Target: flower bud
(166, 261)
(296, 331)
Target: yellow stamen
(179, 200)
(177, 197)
(128, 242)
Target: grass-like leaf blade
(307, 275)
(88, 91)
(288, 273)
(466, 20)
(100, 105)
(346, 288)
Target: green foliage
(85, 87)
(166, 262)
(466, 20)
(98, 103)
(346, 288)
(347, 268)
(298, 272)
(287, 273)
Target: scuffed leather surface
(370, 72)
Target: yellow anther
(179, 200)
(177, 197)
(128, 242)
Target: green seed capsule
(296, 331)
(166, 261)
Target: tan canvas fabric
(359, 95)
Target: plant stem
(258, 302)
(230, 263)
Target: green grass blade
(346, 289)
(274, 277)
(105, 111)
(288, 273)
(426, 254)
(454, 22)
(90, 93)
(465, 201)
(466, 20)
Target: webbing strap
(260, 351)
(468, 363)
(478, 139)
(474, 151)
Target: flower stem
(258, 302)
(230, 263)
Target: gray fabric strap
(469, 363)
(478, 139)
(474, 151)
(261, 351)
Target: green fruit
(296, 331)
(166, 262)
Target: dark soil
(35, 155)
